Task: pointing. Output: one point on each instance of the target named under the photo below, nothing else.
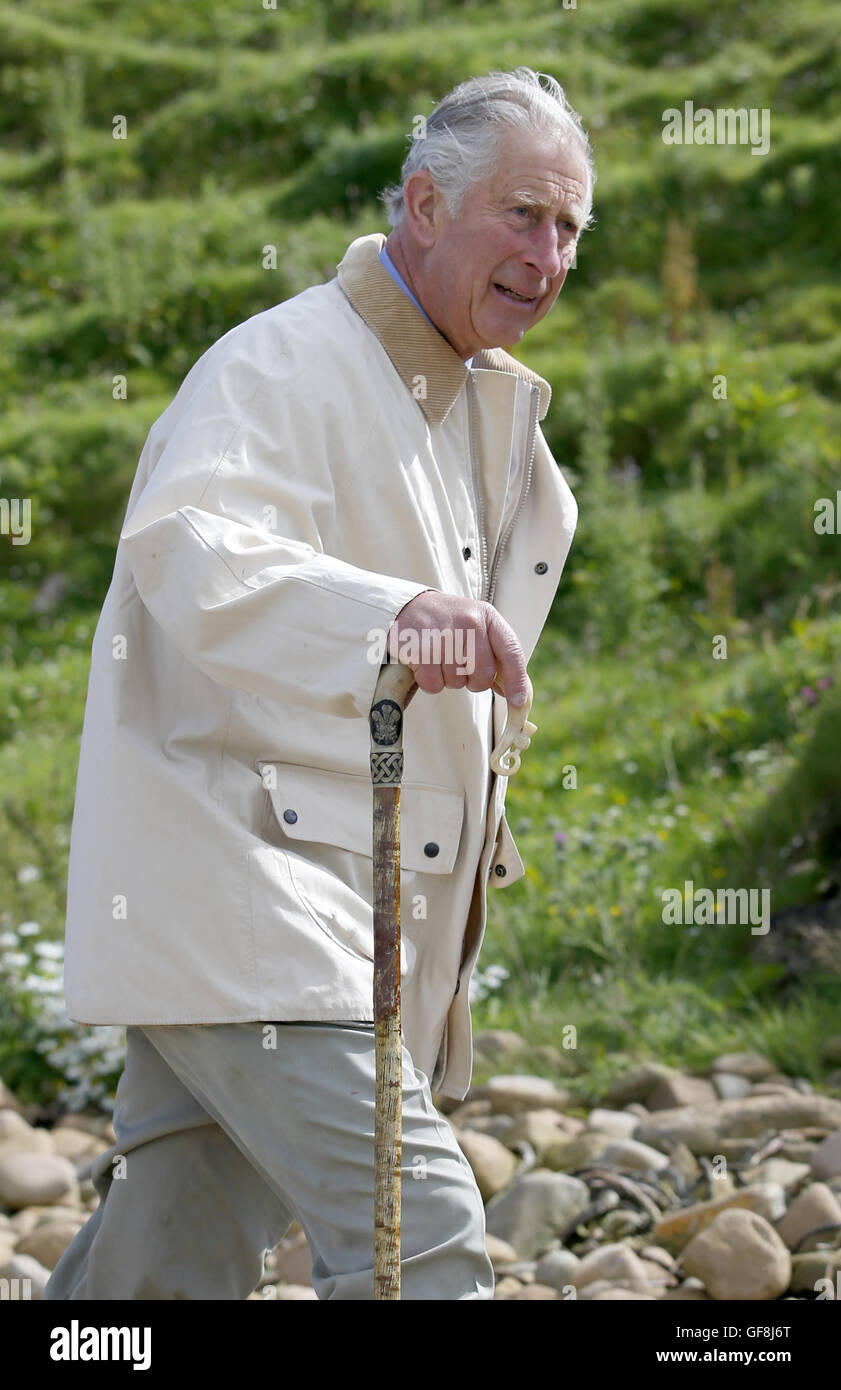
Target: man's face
(516, 231)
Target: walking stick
(386, 724)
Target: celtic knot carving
(386, 769)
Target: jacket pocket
(323, 820)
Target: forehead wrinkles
(545, 192)
(549, 179)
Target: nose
(544, 251)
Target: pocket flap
(337, 808)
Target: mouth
(514, 296)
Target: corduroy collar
(415, 347)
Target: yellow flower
(551, 910)
(615, 911)
(620, 798)
(662, 834)
(719, 873)
(591, 911)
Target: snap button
(541, 567)
(467, 552)
(290, 817)
(500, 870)
(430, 850)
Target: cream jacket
(321, 465)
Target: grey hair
(459, 143)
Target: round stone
(28, 1179)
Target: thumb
(518, 698)
(511, 674)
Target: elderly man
(355, 468)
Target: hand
(498, 663)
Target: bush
(44, 1057)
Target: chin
(512, 336)
(506, 333)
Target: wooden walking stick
(386, 724)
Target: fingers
(452, 642)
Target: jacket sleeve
(222, 534)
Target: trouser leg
(303, 1113)
(182, 1212)
(221, 1141)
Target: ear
(424, 204)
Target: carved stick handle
(516, 736)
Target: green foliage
(617, 575)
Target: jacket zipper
(478, 498)
(503, 541)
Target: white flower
(28, 873)
(16, 958)
(756, 755)
(497, 971)
(48, 966)
(55, 1007)
(29, 929)
(8, 938)
(53, 949)
(37, 982)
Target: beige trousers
(223, 1139)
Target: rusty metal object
(832, 1229)
(642, 1194)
